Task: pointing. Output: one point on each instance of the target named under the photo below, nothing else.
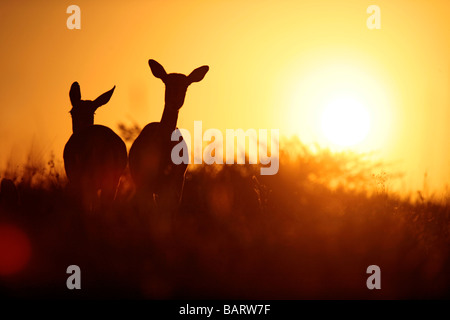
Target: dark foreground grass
(309, 232)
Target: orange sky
(271, 62)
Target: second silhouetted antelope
(94, 157)
(155, 175)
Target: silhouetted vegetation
(309, 231)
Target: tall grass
(309, 231)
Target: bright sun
(339, 104)
(345, 121)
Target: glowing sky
(272, 65)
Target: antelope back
(150, 160)
(95, 156)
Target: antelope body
(94, 157)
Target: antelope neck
(169, 118)
(79, 127)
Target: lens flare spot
(15, 250)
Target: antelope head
(83, 110)
(176, 83)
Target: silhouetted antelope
(155, 175)
(94, 157)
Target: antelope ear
(104, 98)
(198, 74)
(157, 69)
(75, 93)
